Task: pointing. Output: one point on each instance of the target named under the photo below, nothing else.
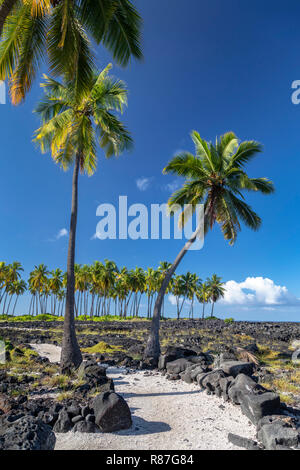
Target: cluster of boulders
(278, 427)
(32, 424)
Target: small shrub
(229, 320)
(102, 348)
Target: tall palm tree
(61, 32)
(55, 285)
(38, 281)
(216, 289)
(177, 291)
(215, 176)
(19, 289)
(203, 296)
(192, 289)
(71, 127)
(10, 274)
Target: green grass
(103, 348)
(48, 317)
(24, 318)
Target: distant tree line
(104, 289)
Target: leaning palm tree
(61, 32)
(214, 176)
(216, 289)
(71, 127)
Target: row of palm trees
(104, 289)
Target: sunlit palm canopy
(73, 126)
(215, 176)
(60, 32)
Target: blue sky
(209, 65)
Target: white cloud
(60, 234)
(172, 299)
(173, 186)
(257, 291)
(143, 183)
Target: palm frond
(249, 217)
(30, 55)
(185, 164)
(245, 152)
(227, 144)
(262, 185)
(12, 38)
(69, 48)
(202, 149)
(115, 23)
(113, 135)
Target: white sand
(167, 415)
(50, 351)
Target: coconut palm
(150, 287)
(60, 32)
(192, 289)
(71, 128)
(215, 176)
(138, 288)
(203, 296)
(3, 274)
(55, 285)
(19, 289)
(216, 289)
(38, 281)
(10, 273)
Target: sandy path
(166, 415)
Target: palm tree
(203, 295)
(61, 32)
(19, 289)
(70, 127)
(10, 274)
(214, 176)
(192, 289)
(55, 284)
(162, 270)
(177, 291)
(37, 282)
(150, 287)
(3, 274)
(216, 289)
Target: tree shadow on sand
(159, 394)
(140, 427)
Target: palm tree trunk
(152, 349)
(212, 309)
(5, 11)
(15, 305)
(70, 354)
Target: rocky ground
(167, 408)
